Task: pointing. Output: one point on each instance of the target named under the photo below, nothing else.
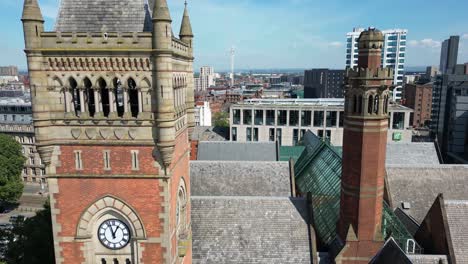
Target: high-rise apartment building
(206, 78)
(113, 109)
(393, 54)
(324, 83)
(9, 71)
(449, 54)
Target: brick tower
(364, 149)
(113, 107)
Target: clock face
(114, 234)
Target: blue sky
(283, 33)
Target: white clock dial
(114, 234)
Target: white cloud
(465, 36)
(335, 44)
(425, 43)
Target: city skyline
(310, 35)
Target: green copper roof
(287, 152)
(318, 171)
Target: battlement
(366, 73)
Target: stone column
(112, 105)
(140, 101)
(82, 102)
(97, 101)
(125, 97)
(65, 101)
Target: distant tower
(364, 149)
(113, 107)
(233, 52)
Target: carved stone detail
(76, 133)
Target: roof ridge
(253, 198)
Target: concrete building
(449, 54)
(203, 114)
(16, 121)
(9, 71)
(431, 73)
(286, 120)
(419, 98)
(206, 79)
(393, 54)
(450, 114)
(113, 107)
(324, 83)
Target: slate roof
(457, 218)
(103, 16)
(237, 151)
(411, 154)
(420, 186)
(249, 230)
(390, 253)
(239, 178)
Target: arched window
(89, 93)
(103, 261)
(181, 211)
(104, 97)
(133, 97)
(376, 104)
(369, 104)
(119, 97)
(386, 104)
(355, 104)
(116, 261)
(75, 96)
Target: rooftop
(236, 151)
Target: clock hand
(113, 232)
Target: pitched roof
(237, 151)
(390, 253)
(457, 219)
(420, 185)
(411, 154)
(249, 230)
(103, 16)
(234, 178)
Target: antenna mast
(233, 51)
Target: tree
(30, 241)
(221, 119)
(11, 165)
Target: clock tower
(113, 108)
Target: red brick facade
(419, 98)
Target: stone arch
(182, 203)
(105, 205)
(133, 96)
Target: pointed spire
(186, 26)
(161, 11)
(31, 11)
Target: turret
(186, 34)
(33, 24)
(162, 25)
(162, 83)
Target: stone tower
(364, 149)
(113, 108)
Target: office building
(393, 54)
(450, 114)
(16, 121)
(419, 98)
(431, 73)
(286, 120)
(113, 121)
(324, 83)
(449, 55)
(9, 71)
(203, 114)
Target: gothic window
(376, 104)
(104, 97)
(386, 104)
(181, 210)
(89, 93)
(119, 97)
(75, 96)
(127, 261)
(133, 96)
(355, 104)
(78, 160)
(106, 154)
(103, 261)
(369, 104)
(359, 109)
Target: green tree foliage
(221, 119)
(11, 165)
(30, 241)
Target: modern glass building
(393, 54)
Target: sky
(272, 34)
